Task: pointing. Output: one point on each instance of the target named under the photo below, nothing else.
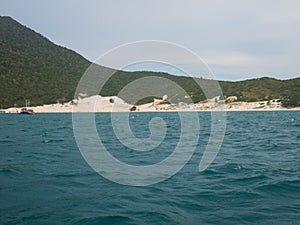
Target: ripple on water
(253, 180)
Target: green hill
(265, 88)
(32, 67)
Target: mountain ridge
(32, 67)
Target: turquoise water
(255, 178)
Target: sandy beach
(115, 104)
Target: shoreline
(17, 110)
(154, 111)
(163, 111)
(97, 104)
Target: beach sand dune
(115, 104)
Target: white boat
(26, 109)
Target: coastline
(115, 104)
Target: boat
(26, 109)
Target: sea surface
(255, 178)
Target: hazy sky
(238, 39)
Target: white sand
(115, 104)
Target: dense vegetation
(265, 89)
(32, 67)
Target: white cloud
(228, 58)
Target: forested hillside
(32, 67)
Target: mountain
(32, 67)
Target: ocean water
(255, 178)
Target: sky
(238, 39)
